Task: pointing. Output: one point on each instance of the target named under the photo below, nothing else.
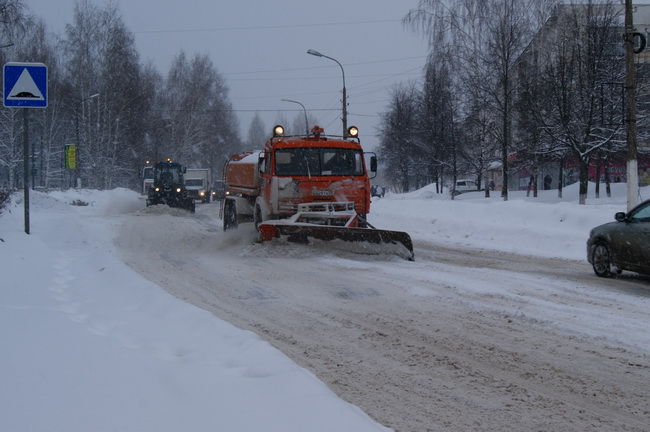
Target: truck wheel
(257, 217)
(229, 215)
(363, 223)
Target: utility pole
(344, 117)
(630, 110)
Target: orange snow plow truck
(308, 187)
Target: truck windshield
(193, 182)
(147, 172)
(168, 175)
(318, 162)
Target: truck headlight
(201, 193)
(157, 189)
(178, 190)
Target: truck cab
(198, 184)
(311, 169)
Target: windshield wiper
(307, 164)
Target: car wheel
(601, 260)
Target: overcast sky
(260, 49)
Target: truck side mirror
(373, 164)
(184, 170)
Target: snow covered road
(459, 340)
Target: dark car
(622, 245)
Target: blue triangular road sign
(25, 85)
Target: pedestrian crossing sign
(25, 85)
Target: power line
(362, 92)
(360, 86)
(267, 27)
(242, 110)
(338, 78)
(364, 115)
(376, 101)
(390, 60)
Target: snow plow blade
(371, 240)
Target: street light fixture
(345, 103)
(304, 110)
(77, 153)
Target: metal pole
(345, 101)
(33, 169)
(630, 108)
(26, 167)
(304, 110)
(40, 160)
(77, 180)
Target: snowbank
(544, 226)
(89, 345)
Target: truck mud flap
(370, 240)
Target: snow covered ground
(89, 344)
(544, 226)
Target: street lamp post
(77, 154)
(630, 109)
(304, 110)
(345, 103)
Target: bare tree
(201, 127)
(579, 62)
(398, 137)
(435, 117)
(12, 24)
(257, 133)
(47, 126)
(490, 35)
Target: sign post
(25, 86)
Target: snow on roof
(494, 165)
(251, 158)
